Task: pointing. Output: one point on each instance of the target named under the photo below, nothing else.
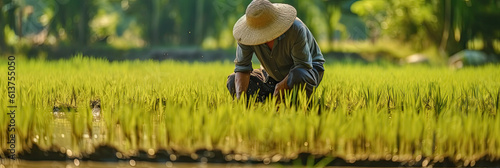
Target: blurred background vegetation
(371, 29)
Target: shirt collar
(281, 37)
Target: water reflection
(131, 163)
(63, 134)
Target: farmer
(287, 51)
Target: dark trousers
(262, 88)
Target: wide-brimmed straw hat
(263, 21)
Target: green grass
(369, 112)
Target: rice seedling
(359, 112)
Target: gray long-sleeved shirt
(295, 48)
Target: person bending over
(287, 51)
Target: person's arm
(243, 63)
(300, 51)
(241, 81)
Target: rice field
(359, 113)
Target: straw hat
(263, 21)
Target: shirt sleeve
(300, 52)
(243, 60)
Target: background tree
(448, 25)
(3, 45)
(71, 20)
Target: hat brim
(247, 35)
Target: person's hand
(280, 88)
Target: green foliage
(426, 26)
(367, 112)
(402, 20)
(450, 25)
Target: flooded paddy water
(92, 150)
(130, 164)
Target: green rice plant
(359, 112)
